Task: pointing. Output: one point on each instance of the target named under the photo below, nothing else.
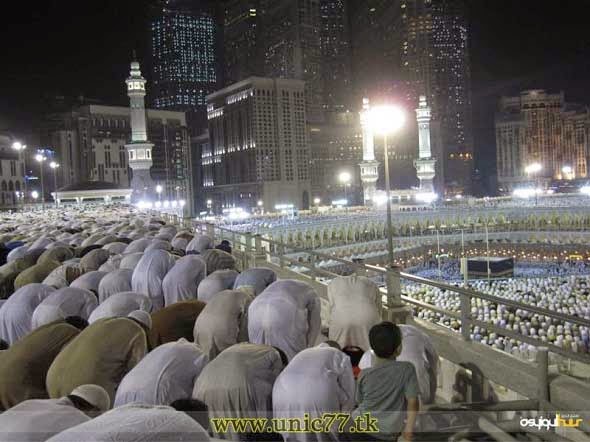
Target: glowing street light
(345, 178)
(533, 169)
(35, 194)
(159, 189)
(317, 201)
(40, 158)
(54, 166)
(386, 120)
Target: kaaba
(499, 267)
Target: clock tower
(139, 149)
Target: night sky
(53, 47)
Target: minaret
(139, 149)
(425, 163)
(369, 167)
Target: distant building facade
(89, 142)
(290, 39)
(538, 127)
(258, 148)
(403, 49)
(241, 47)
(184, 57)
(11, 174)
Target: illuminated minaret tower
(369, 167)
(425, 163)
(139, 149)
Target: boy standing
(389, 390)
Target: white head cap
(141, 316)
(95, 395)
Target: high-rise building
(336, 56)
(537, 127)
(290, 39)
(258, 150)
(241, 28)
(184, 57)
(11, 173)
(89, 142)
(408, 48)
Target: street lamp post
(385, 120)
(20, 148)
(344, 178)
(534, 169)
(40, 159)
(54, 166)
(159, 192)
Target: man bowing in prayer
(286, 315)
(102, 354)
(37, 420)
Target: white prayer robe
(318, 380)
(37, 420)
(417, 348)
(238, 383)
(117, 281)
(216, 282)
(138, 245)
(137, 423)
(164, 375)
(181, 282)
(17, 311)
(89, 281)
(355, 307)
(130, 260)
(223, 322)
(199, 244)
(69, 301)
(149, 273)
(120, 305)
(258, 278)
(285, 315)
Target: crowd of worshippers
(126, 328)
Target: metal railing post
(249, 252)
(210, 230)
(312, 262)
(394, 287)
(543, 373)
(465, 316)
(259, 254)
(282, 255)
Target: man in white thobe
(238, 383)
(318, 380)
(223, 322)
(137, 423)
(37, 420)
(149, 273)
(199, 244)
(285, 315)
(120, 305)
(164, 375)
(216, 282)
(69, 301)
(181, 282)
(258, 278)
(89, 281)
(417, 348)
(16, 313)
(117, 281)
(355, 307)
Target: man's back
(175, 321)
(286, 315)
(38, 420)
(166, 374)
(223, 322)
(102, 354)
(24, 366)
(135, 422)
